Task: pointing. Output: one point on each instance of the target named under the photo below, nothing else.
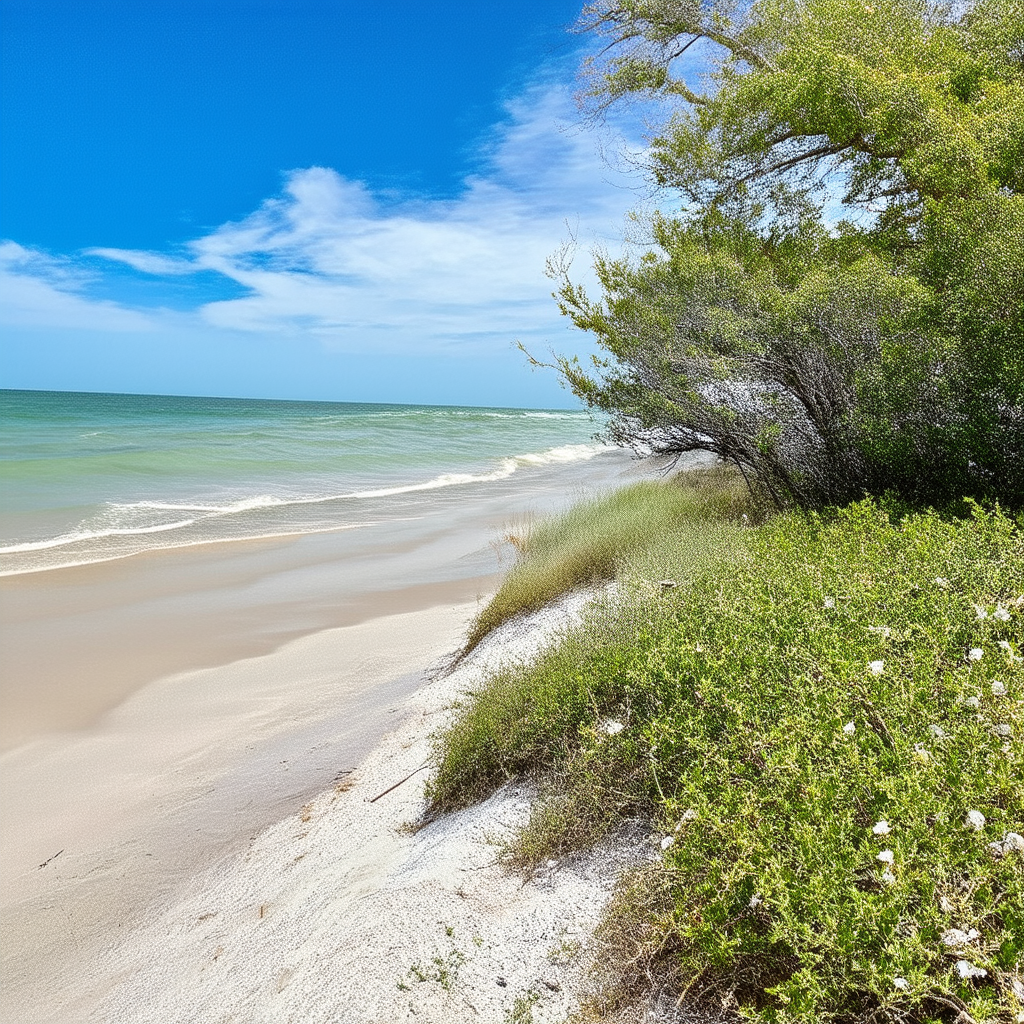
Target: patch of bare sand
(184, 773)
(341, 914)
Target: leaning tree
(839, 306)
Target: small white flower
(876, 667)
(1011, 841)
(976, 820)
(967, 970)
(975, 654)
(667, 842)
(972, 702)
(888, 877)
(921, 751)
(1002, 730)
(849, 728)
(941, 581)
(886, 856)
(1001, 614)
(881, 828)
(755, 901)
(883, 631)
(937, 731)
(958, 937)
(612, 727)
(1005, 645)
(980, 611)
(829, 602)
(689, 815)
(901, 983)
(998, 689)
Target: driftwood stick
(48, 859)
(397, 784)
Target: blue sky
(294, 198)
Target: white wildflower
(972, 702)
(612, 727)
(881, 828)
(901, 983)
(998, 689)
(1002, 730)
(667, 842)
(1001, 614)
(975, 654)
(886, 856)
(888, 877)
(689, 815)
(967, 970)
(921, 751)
(849, 728)
(941, 581)
(1011, 841)
(830, 602)
(876, 667)
(980, 612)
(958, 937)
(976, 820)
(1005, 645)
(755, 901)
(937, 731)
(883, 631)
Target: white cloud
(37, 290)
(147, 262)
(330, 258)
(362, 272)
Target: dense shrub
(824, 727)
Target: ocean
(96, 477)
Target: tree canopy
(839, 306)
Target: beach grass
(822, 727)
(588, 544)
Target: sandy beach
(165, 713)
(185, 772)
(208, 852)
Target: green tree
(839, 307)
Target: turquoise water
(93, 477)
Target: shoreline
(77, 641)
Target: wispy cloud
(329, 258)
(39, 290)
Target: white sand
(186, 771)
(337, 912)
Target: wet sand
(77, 641)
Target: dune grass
(822, 724)
(587, 544)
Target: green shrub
(775, 708)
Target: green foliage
(829, 357)
(736, 692)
